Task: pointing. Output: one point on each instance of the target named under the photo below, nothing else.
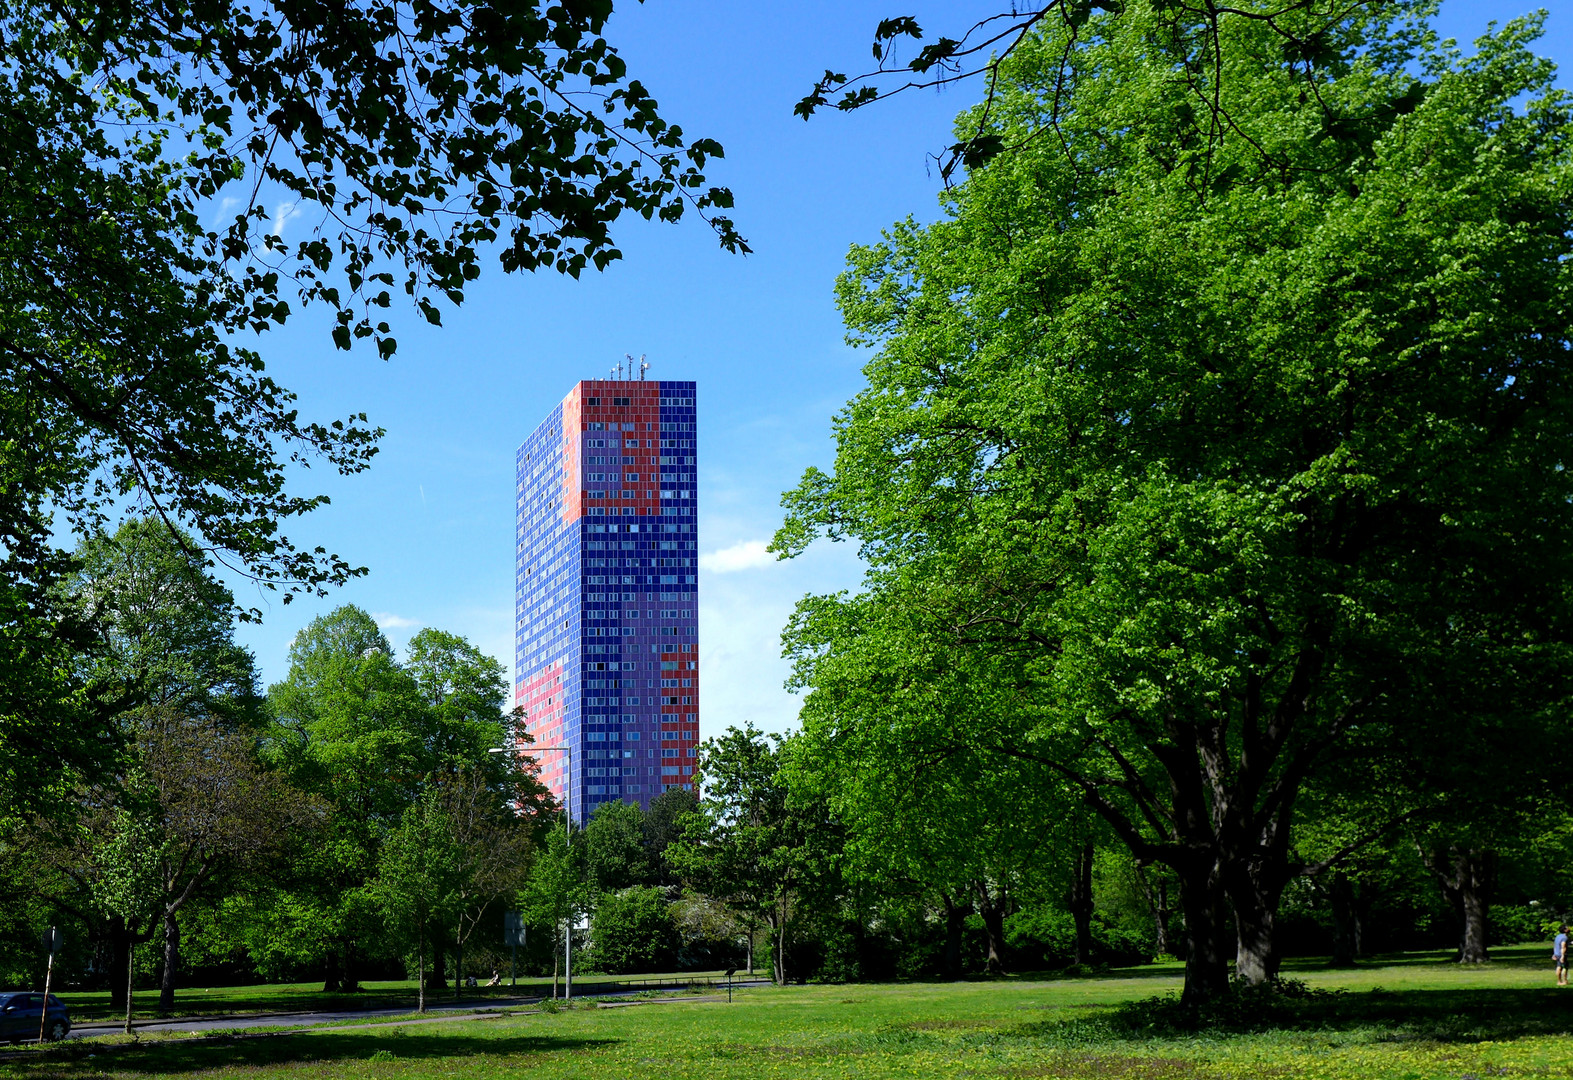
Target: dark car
(20, 1016)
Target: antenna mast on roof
(644, 366)
(617, 372)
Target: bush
(1518, 925)
(633, 932)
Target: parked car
(20, 1015)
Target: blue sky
(433, 518)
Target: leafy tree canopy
(154, 155)
(1230, 415)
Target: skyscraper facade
(606, 657)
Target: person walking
(1559, 952)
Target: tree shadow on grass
(175, 1056)
(1464, 1015)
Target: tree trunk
(118, 942)
(1162, 946)
(458, 966)
(777, 947)
(1475, 900)
(349, 982)
(955, 923)
(420, 971)
(1080, 902)
(439, 976)
(781, 975)
(993, 913)
(557, 957)
(331, 981)
(1206, 961)
(1255, 919)
(131, 971)
(1467, 876)
(1345, 921)
(166, 986)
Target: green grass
(1406, 1017)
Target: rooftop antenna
(630, 358)
(617, 372)
(644, 366)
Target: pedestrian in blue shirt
(1559, 952)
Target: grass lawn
(88, 1005)
(1411, 1016)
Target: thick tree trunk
(993, 914)
(1467, 876)
(1080, 902)
(1206, 958)
(1255, 919)
(1346, 921)
(349, 982)
(1476, 903)
(955, 923)
(331, 979)
(166, 986)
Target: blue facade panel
(606, 620)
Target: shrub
(632, 932)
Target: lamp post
(567, 843)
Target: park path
(436, 1012)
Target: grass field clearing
(1409, 1017)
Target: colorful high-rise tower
(606, 657)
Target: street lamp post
(567, 844)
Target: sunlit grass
(1411, 1017)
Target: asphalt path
(436, 1010)
(448, 1010)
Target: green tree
(351, 729)
(418, 871)
(616, 847)
(188, 713)
(744, 845)
(944, 819)
(492, 836)
(129, 883)
(664, 823)
(465, 691)
(632, 931)
(166, 625)
(1228, 415)
(154, 154)
(557, 891)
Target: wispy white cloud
(740, 621)
(389, 621)
(747, 555)
(282, 214)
